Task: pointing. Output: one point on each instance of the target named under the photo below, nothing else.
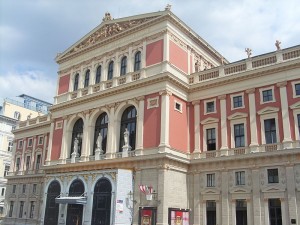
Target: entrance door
(74, 214)
(275, 212)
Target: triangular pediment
(268, 110)
(295, 106)
(109, 28)
(210, 120)
(237, 115)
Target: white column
(204, 218)
(197, 127)
(197, 202)
(291, 192)
(162, 209)
(253, 126)
(224, 144)
(165, 118)
(266, 209)
(189, 59)
(22, 160)
(104, 70)
(110, 146)
(249, 212)
(284, 215)
(233, 212)
(130, 60)
(256, 197)
(219, 212)
(85, 149)
(31, 166)
(48, 159)
(89, 205)
(13, 158)
(44, 150)
(166, 57)
(287, 140)
(64, 144)
(140, 124)
(225, 200)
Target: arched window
(137, 61)
(77, 132)
(74, 211)
(123, 66)
(87, 78)
(101, 127)
(110, 71)
(98, 74)
(52, 208)
(128, 121)
(102, 202)
(76, 79)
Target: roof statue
(168, 7)
(277, 44)
(107, 17)
(248, 51)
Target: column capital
(165, 92)
(250, 91)
(222, 97)
(196, 102)
(140, 98)
(281, 84)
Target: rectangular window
(11, 209)
(18, 164)
(237, 101)
(41, 140)
(273, 176)
(267, 95)
(29, 142)
(24, 188)
(10, 146)
(239, 135)
(20, 144)
(31, 209)
(211, 139)
(297, 89)
(34, 188)
(14, 189)
(27, 163)
(6, 170)
(210, 180)
(270, 131)
(210, 107)
(38, 162)
(21, 209)
(2, 191)
(240, 178)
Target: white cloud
(33, 83)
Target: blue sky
(32, 32)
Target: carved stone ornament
(248, 51)
(108, 30)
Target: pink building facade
(151, 125)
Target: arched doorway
(102, 202)
(74, 212)
(52, 208)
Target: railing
(246, 64)
(34, 121)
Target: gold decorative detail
(222, 97)
(281, 84)
(86, 177)
(165, 92)
(94, 176)
(250, 91)
(113, 175)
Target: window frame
(32, 207)
(10, 145)
(262, 90)
(209, 126)
(137, 61)
(76, 82)
(240, 178)
(265, 116)
(86, 78)
(239, 135)
(206, 102)
(123, 65)
(27, 162)
(98, 74)
(179, 104)
(40, 140)
(20, 144)
(233, 96)
(210, 180)
(273, 178)
(29, 142)
(21, 209)
(11, 209)
(294, 83)
(271, 131)
(37, 164)
(110, 70)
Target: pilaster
(197, 126)
(140, 125)
(48, 159)
(165, 118)
(224, 144)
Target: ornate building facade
(151, 125)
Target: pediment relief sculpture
(108, 29)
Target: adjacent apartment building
(13, 110)
(151, 125)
